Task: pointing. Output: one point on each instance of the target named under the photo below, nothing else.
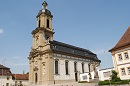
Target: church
(53, 62)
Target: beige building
(9, 79)
(121, 56)
(53, 62)
(5, 76)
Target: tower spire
(44, 5)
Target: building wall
(122, 63)
(61, 65)
(24, 82)
(104, 74)
(4, 81)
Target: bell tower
(40, 58)
(44, 31)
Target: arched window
(39, 23)
(56, 66)
(66, 67)
(75, 66)
(82, 67)
(36, 77)
(48, 23)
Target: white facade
(71, 76)
(10, 82)
(104, 74)
(6, 82)
(122, 63)
(24, 82)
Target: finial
(44, 5)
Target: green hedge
(82, 82)
(114, 83)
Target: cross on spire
(44, 5)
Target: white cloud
(1, 31)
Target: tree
(114, 76)
(27, 73)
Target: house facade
(5, 76)
(121, 56)
(53, 62)
(20, 79)
(9, 79)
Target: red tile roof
(4, 71)
(124, 41)
(20, 76)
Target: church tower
(40, 58)
(44, 32)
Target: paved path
(76, 84)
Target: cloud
(1, 31)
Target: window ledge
(123, 74)
(57, 74)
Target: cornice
(38, 29)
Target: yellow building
(121, 56)
(53, 62)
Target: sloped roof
(124, 41)
(20, 76)
(73, 50)
(4, 70)
(1, 66)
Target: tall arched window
(75, 66)
(66, 67)
(36, 77)
(39, 23)
(48, 23)
(82, 67)
(56, 66)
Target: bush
(125, 81)
(114, 76)
(121, 82)
(82, 82)
(103, 83)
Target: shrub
(114, 83)
(82, 82)
(114, 76)
(103, 83)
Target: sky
(96, 25)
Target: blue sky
(96, 25)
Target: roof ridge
(124, 40)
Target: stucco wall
(3, 80)
(124, 63)
(101, 74)
(71, 76)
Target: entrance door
(36, 77)
(76, 77)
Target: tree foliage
(114, 76)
